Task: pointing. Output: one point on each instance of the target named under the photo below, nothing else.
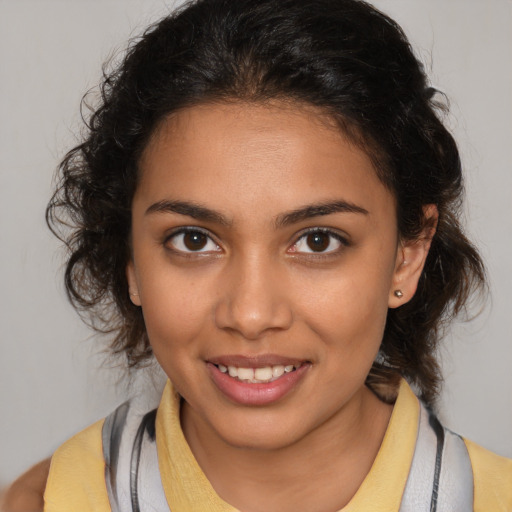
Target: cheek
(348, 307)
(175, 322)
(353, 319)
(176, 309)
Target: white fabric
(417, 498)
(456, 481)
(455, 491)
(150, 488)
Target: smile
(257, 375)
(256, 382)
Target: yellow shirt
(76, 480)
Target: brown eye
(191, 240)
(318, 242)
(194, 240)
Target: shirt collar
(187, 488)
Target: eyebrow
(203, 213)
(189, 209)
(317, 210)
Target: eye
(191, 240)
(319, 241)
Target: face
(265, 255)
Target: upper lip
(242, 361)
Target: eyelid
(339, 236)
(190, 229)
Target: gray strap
(439, 432)
(111, 439)
(150, 491)
(456, 479)
(418, 490)
(441, 476)
(133, 483)
(147, 426)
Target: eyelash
(333, 235)
(187, 230)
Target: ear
(133, 288)
(410, 260)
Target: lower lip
(265, 393)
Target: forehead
(244, 156)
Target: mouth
(257, 381)
(259, 375)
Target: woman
(267, 202)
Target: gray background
(52, 380)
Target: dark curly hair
(342, 56)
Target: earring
(398, 293)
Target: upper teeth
(254, 375)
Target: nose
(253, 301)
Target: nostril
(252, 318)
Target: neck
(340, 450)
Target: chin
(264, 440)
(259, 430)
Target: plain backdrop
(53, 379)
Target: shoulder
(492, 477)
(86, 443)
(26, 492)
(77, 474)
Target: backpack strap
(111, 439)
(441, 476)
(132, 475)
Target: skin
(26, 493)
(256, 286)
